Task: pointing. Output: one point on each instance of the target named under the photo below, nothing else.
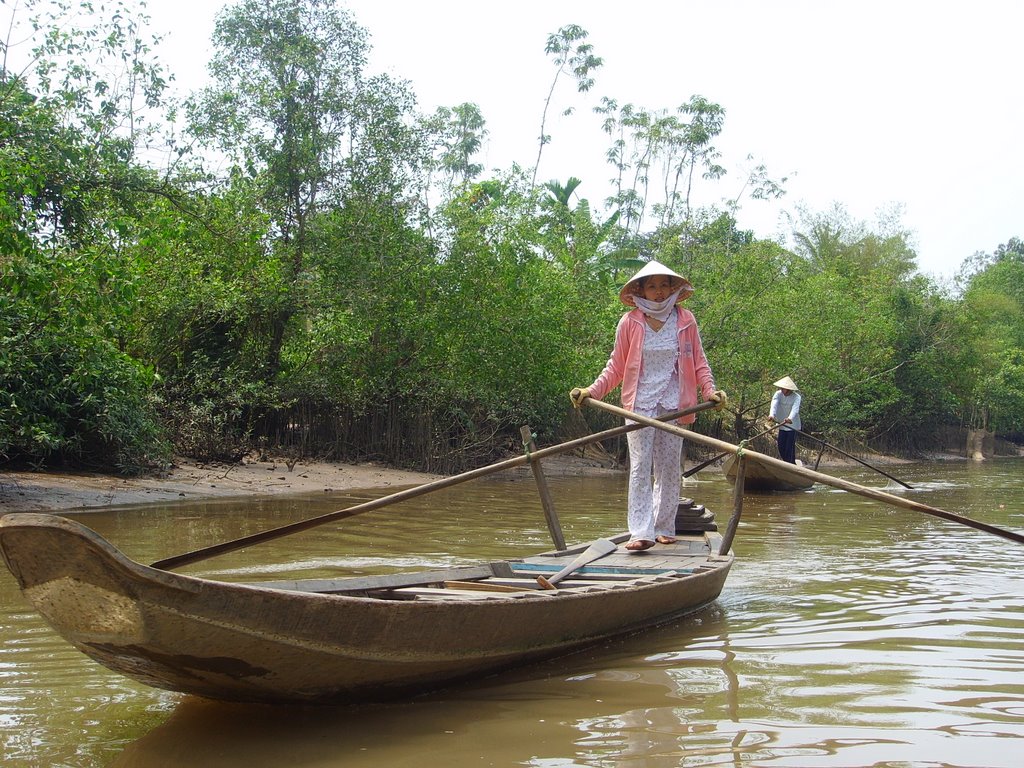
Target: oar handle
(562, 573)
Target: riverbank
(24, 491)
(27, 491)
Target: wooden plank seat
(516, 588)
(360, 584)
(443, 593)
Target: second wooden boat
(759, 476)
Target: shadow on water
(548, 714)
(849, 634)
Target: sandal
(666, 539)
(638, 545)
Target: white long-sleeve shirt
(786, 407)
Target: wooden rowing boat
(344, 639)
(766, 477)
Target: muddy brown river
(849, 634)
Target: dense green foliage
(69, 191)
(347, 285)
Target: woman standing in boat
(659, 360)
(785, 410)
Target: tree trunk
(976, 443)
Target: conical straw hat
(786, 383)
(632, 287)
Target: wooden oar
(713, 459)
(703, 464)
(851, 456)
(595, 551)
(819, 477)
(409, 493)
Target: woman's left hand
(719, 398)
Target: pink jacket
(624, 364)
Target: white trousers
(652, 508)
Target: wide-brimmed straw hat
(786, 383)
(632, 288)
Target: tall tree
(460, 131)
(572, 56)
(672, 149)
(294, 109)
(855, 310)
(993, 298)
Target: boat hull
(253, 643)
(764, 477)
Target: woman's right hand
(578, 395)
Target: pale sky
(869, 103)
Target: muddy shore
(53, 492)
(27, 491)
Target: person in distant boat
(785, 411)
(659, 360)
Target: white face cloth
(659, 310)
